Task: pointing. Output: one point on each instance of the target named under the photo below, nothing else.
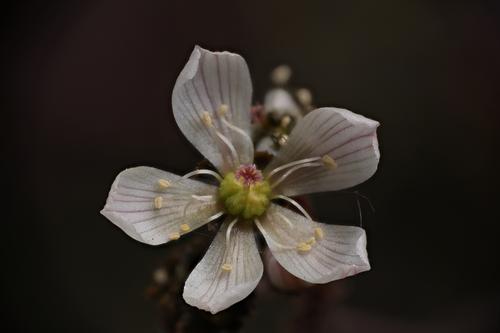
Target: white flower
(330, 149)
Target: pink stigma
(248, 174)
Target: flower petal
(209, 80)
(213, 289)
(348, 138)
(279, 101)
(133, 206)
(341, 252)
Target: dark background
(87, 90)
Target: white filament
(228, 231)
(292, 170)
(287, 221)
(202, 172)
(291, 164)
(238, 130)
(269, 238)
(205, 198)
(214, 217)
(295, 204)
(228, 143)
(190, 202)
(207, 120)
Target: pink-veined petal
(213, 289)
(131, 204)
(209, 80)
(348, 138)
(341, 252)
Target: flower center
(248, 174)
(244, 192)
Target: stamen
(163, 183)
(268, 237)
(214, 217)
(238, 130)
(294, 203)
(287, 221)
(318, 233)
(223, 109)
(174, 236)
(158, 202)
(283, 139)
(291, 164)
(311, 241)
(190, 202)
(205, 198)
(206, 119)
(285, 121)
(185, 227)
(303, 247)
(329, 162)
(326, 160)
(228, 231)
(292, 170)
(304, 96)
(228, 143)
(202, 172)
(227, 267)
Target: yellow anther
(283, 139)
(174, 236)
(303, 247)
(163, 183)
(281, 74)
(184, 227)
(329, 162)
(223, 109)
(318, 233)
(304, 96)
(158, 202)
(227, 267)
(311, 241)
(206, 118)
(285, 121)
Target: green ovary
(242, 200)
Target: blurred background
(86, 93)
